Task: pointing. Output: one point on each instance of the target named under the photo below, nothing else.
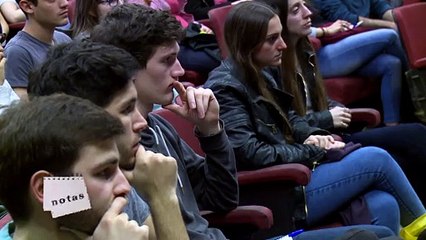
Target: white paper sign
(65, 195)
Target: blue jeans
(359, 173)
(406, 143)
(376, 53)
(333, 233)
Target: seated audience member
(375, 53)
(88, 13)
(11, 11)
(28, 48)
(36, 145)
(404, 142)
(209, 183)
(372, 13)
(105, 75)
(7, 95)
(263, 132)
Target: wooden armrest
(295, 172)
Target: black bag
(201, 41)
(416, 79)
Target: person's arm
(382, 10)
(154, 177)
(333, 10)
(213, 178)
(377, 23)
(17, 68)
(250, 150)
(12, 12)
(4, 25)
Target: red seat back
(411, 21)
(217, 18)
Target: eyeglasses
(111, 3)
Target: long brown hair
(246, 27)
(86, 16)
(289, 74)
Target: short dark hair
(46, 133)
(89, 70)
(138, 29)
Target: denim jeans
(359, 173)
(405, 143)
(376, 53)
(334, 233)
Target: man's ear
(27, 6)
(37, 185)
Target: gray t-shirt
(136, 209)
(24, 53)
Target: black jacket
(254, 126)
(320, 119)
(207, 183)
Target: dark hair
(246, 27)
(86, 16)
(138, 29)
(85, 69)
(46, 133)
(289, 74)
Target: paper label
(65, 195)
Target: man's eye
(106, 173)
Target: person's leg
(334, 233)
(347, 55)
(334, 184)
(387, 67)
(384, 209)
(406, 143)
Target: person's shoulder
(60, 37)
(224, 76)
(18, 44)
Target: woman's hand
(341, 117)
(337, 26)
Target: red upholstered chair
(217, 18)
(14, 28)
(272, 187)
(410, 20)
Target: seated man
(28, 48)
(35, 145)
(210, 183)
(105, 75)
